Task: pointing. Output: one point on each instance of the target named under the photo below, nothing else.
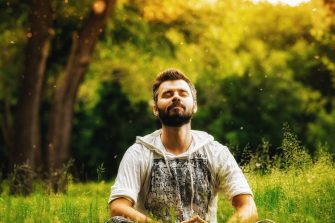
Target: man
(174, 174)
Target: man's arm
(124, 207)
(246, 211)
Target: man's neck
(176, 140)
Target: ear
(155, 110)
(195, 108)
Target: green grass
(82, 203)
(293, 195)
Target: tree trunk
(27, 133)
(7, 125)
(60, 122)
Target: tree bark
(7, 125)
(27, 132)
(60, 122)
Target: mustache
(175, 104)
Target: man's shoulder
(212, 146)
(137, 147)
(202, 137)
(137, 150)
(148, 138)
(200, 133)
(216, 148)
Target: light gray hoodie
(173, 188)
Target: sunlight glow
(288, 2)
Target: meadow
(289, 195)
(293, 195)
(256, 66)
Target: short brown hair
(171, 74)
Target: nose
(176, 97)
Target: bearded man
(175, 173)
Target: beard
(175, 118)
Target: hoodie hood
(152, 142)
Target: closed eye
(170, 93)
(167, 94)
(183, 93)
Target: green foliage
(59, 180)
(100, 171)
(294, 155)
(12, 41)
(72, 12)
(262, 161)
(102, 134)
(21, 180)
(256, 66)
(322, 130)
(245, 117)
(291, 155)
(253, 72)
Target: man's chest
(179, 188)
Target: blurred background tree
(256, 67)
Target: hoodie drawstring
(176, 179)
(192, 183)
(189, 166)
(167, 163)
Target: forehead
(174, 85)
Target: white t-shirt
(176, 187)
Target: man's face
(175, 105)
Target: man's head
(174, 97)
